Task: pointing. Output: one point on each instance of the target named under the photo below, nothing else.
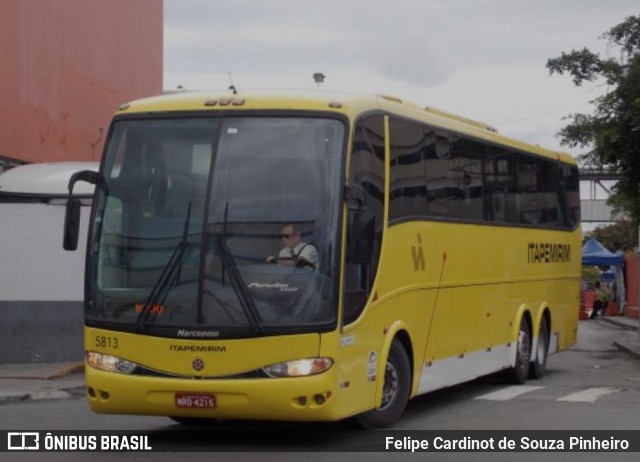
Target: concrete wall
(41, 285)
(33, 264)
(632, 265)
(40, 332)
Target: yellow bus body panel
(472, 286)
(250, 398)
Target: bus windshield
(217, 227)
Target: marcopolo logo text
(186, 333)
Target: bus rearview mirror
(71, 225)
(72, 212)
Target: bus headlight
(299, 367)
(110, 363)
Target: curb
(8, 397)
(40, 371)
(628, 345)
(12, 397)
(615, 322)
(632, 350)
(68, 369)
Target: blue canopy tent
(595, 254)
(609, 275)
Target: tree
(619, 236)
(612, 132)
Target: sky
(482, 59)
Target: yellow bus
(437, 251)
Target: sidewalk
(21, 382)
(630, 342)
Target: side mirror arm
(72, 211)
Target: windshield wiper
(167, 276)
(237, 283)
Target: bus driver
(296, 252)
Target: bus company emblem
(417, 254)
(197, 364)
(198, 348)
(546, 252)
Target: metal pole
(638, 289)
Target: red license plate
(195, 401)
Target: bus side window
(366, 173)
(500, 183)
(569, 196)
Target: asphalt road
(593, 386)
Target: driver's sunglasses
(287, 236)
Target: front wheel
(519, 372)
(395, 392)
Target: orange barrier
(582, 314)
(589, 298)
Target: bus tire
(396, 390)
(518, 373)
(194, 420)
(539, 364)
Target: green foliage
(590, 273)
(622, 235)
(612, 131)
(626, 34)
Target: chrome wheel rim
(391, 384)
(541, 351)
(543, 345)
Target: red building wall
(65, 67)
(632, 276)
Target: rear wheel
(395, 393)
(520, 370)
(539, 364)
